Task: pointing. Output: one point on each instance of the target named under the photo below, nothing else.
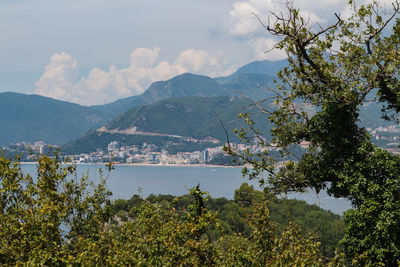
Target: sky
(97, 51)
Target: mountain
(262, 67)
(253, 79)
(32, 117)
(172, 121)
(248, 80)
(182, 85)
(252, 85)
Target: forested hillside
(180, 86)
(32, 118)
(234, 214)
(195, 117)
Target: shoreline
(141, 164)
(176, 165)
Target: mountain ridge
(175, 119)
(186, 84)
(264, 70)
(30, 117)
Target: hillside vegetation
(180, 86)
(198, 117)
(58, 219)
(32, 117)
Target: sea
(126, 180)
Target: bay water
(127, 180)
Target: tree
(52, 219)
(331, 72)
(159, 235)
(267, 248)
(56, 219)
(245, 195)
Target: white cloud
(242, 21)
(60, 77)
(263, 49)
(385, 5)
(144, 57)
(322, 7)
(242, 17)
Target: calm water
(126, 181)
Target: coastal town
(144, 154)
(152, 154)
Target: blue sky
(96, 51)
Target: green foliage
(266, 248)
(327, 227)
(374, 186)
(246, 196)
(161, 236)
(50, 219)
(233, 216)
(332, 72)
(293, 250)
(56, 219)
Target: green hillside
(252, 85)
(32, 117)
(182, 85)
(197, 117)
(189, 116)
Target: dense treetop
(334, 70)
